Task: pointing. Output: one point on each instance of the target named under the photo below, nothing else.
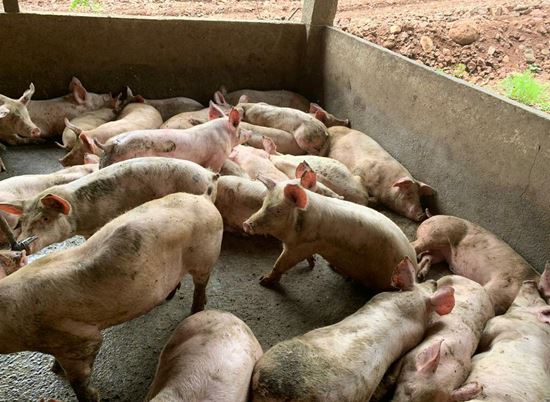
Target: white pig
(209, 357)
(185, 120)
(16, 126)
(279, 98)
(347, 360)
(284, 141)
(86, 121)
(167, 107)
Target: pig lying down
(209, 357)
(85, 122)
(109, 280)
(475, 253)
(357, 241)
(16, 126)
(167, 107)
(347, 360)
(515, 352)
(85, 205)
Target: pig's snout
(35, 132)
(248, 227)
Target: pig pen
(487, 157)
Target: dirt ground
(513, 34)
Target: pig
(310, 134)
(86, 121)
(27, 186)
(357, 241)
(514, 351)
(213, 346)
(283, 140)
(329, 120)
(440, 364)
(49, 114)
(59, 304)
(187, 120)
(208, 144)
(347, 360)
(85, 205)
(230, 168)
(279, 98)
(333, 174)
(475, 253)
(11, 261)
(168, 107)
(384, 177)
(544, 283)
(134, 116)
(16, 126)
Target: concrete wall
(157, 57)
(488, 158)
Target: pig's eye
(45, 219)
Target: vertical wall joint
(11, 6)
(319, 12)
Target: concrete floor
(126, 363)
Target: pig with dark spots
(208, 144)
(49, 115)
(440, 364)
(357, 241)
(384, 177)
(167, 107)
(11, 261)
(213, 346)
(85, 122)
(85, 205)
(347, 360)
(135, 116)
(333, 174)
(475, 253)
(283, 140)
(279, 98)
(310, 134)
(28, 186)
(59, 304)
(514, 351)
(16, 126)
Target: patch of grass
(459, 71)
(91, 4)
(524, 88)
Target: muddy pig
(208, 144)
(213, 346)
(384, 177)
(167, 107)
(11, 261)
(347, 360)
(283, 140)
(29, 185)
(357, 241)
(514, 351)
(435, 368)
(16, 126)
(310, 134)
(475, 253)
(85, 205)
(122, 272)
(135, 116)
(85, 122)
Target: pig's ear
(56, 203)
(244, 99)
(4, 111)
(426, 361)
(269, 145)
(14, 207)
(79, 92)
(301, 169)
(87, 142)
(297, 195)
(426, 190)
(214, 111)
(543, 314)
(320, 114)
(404, 182)
(443, 300)
(270, 184)
(129, 92)
(466, 392)
(90, 159)
(309, 180)
(403, 275)
(234, 117)
(27, 95)
(99, 145)
(219, 98)
(544, 282)
(313, 107)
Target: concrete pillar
(319, 12)
(11, 6)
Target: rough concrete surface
(126, 363)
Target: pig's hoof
(267, 281)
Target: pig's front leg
(199, 295)
(287, 259)
(18, 140)
(426, 261)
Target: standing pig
(135, 116)
(441, 363)
(208, 144)
(168, 107)
(16, 126)
(384, 177)
(347, 360)
(213, 346)
(357, 241)
(310, 134)
(86, 121)
(85, 205)
(475, 253)
(11, 261)
(59, 304)
(515, 351)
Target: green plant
(91, 4)
(459, 70)
(524, 88)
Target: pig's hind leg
(200, 280)
(427, 259)
(288, 259)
